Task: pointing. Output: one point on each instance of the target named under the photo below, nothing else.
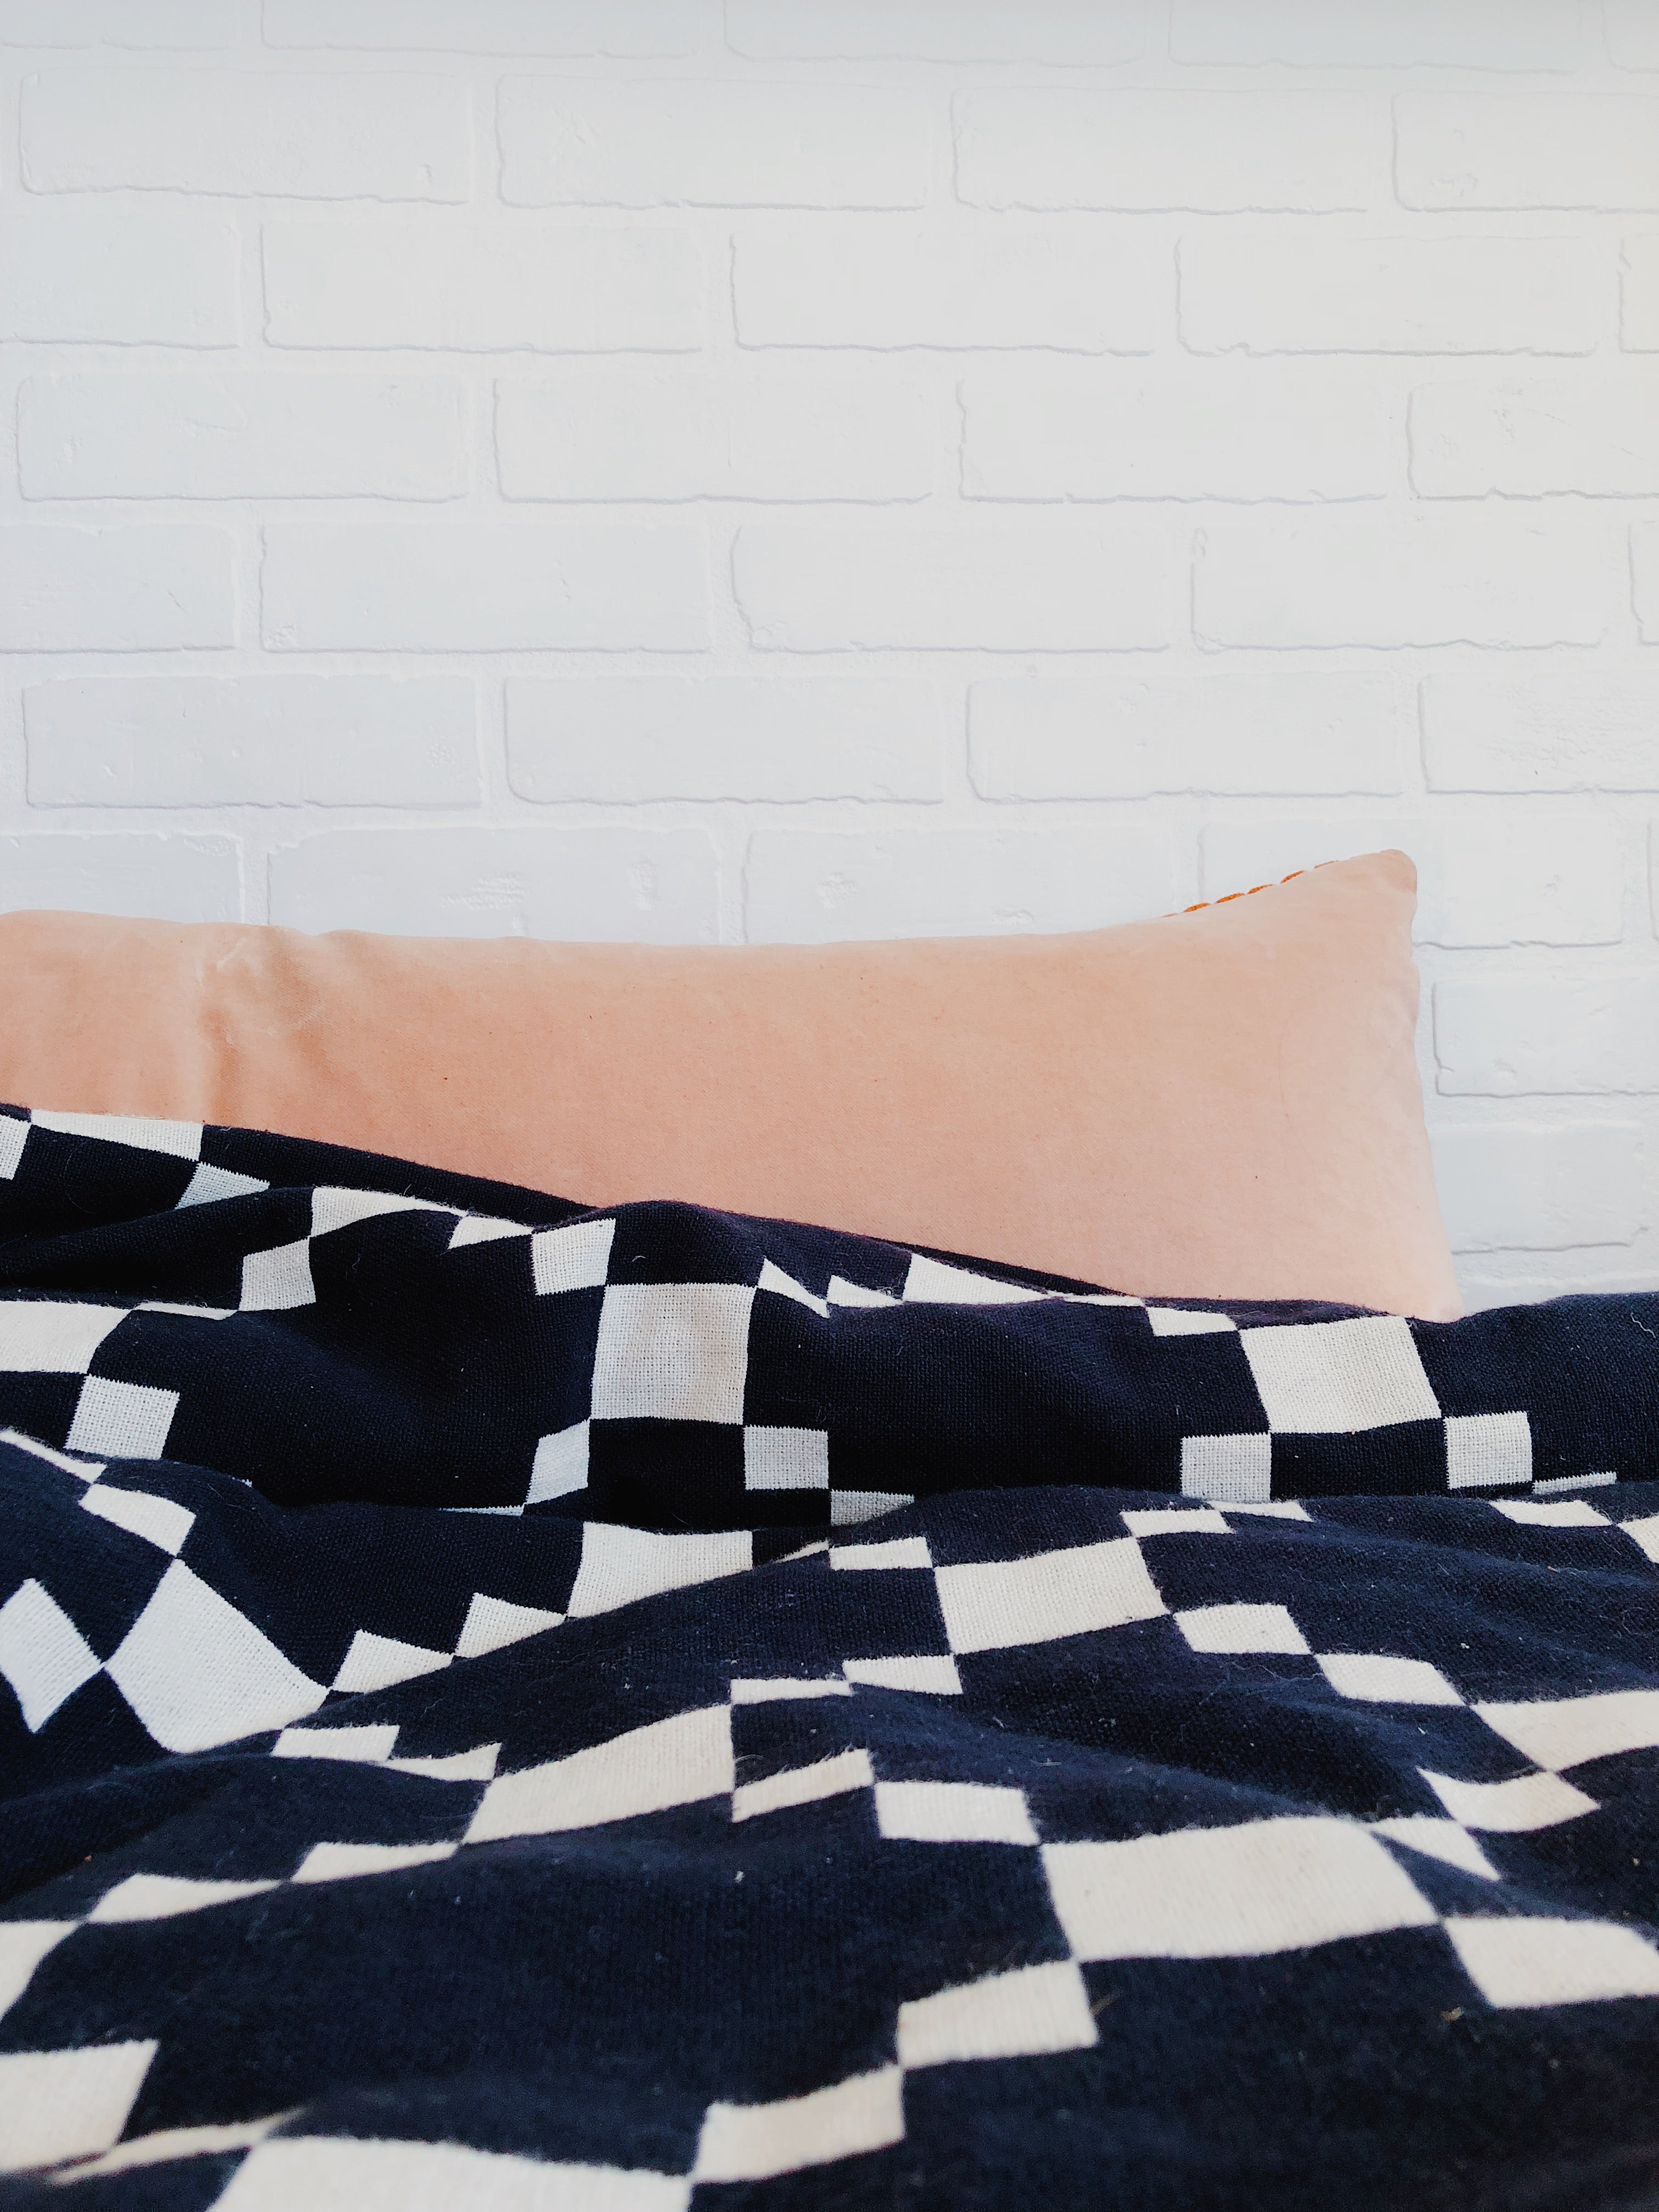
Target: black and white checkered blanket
(510, 1705)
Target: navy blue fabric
(738, 1637)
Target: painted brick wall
(817, 468)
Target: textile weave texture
(507, 1703)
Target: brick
(1644, 565)
(1232, 430)
(154, 878)
(1527, 151)
(179, 23)
(1128, 738)
(628, 30)
(252, 741)
(1518, 150)
(1529, 439)
(106, 271)
(591, 884)
(1072, 148)
(1090, 31)
(593, 434)
(700, 143)
(813, 887)
(1632, 33)
(1500, 876)
(1531, 1187)
(480, 585)
(475, 287)
(141, 587)
(1297, 290)
(884, 284)
(1346, 578)
(634, 738)
(1639, 324)
(1057, 589)
(240, 131)
(1548, 730)
(1492, 35)
(248, 434)
(1506, 1037)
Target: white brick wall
(110, 271)
(680, 434)
(885, 285)
(181, 23)
(683, 469)
(628, 740)
(1517, 150)
(1297, 286)
(1641, 294)
(246, 434)
(1219, 152)
(1215, 430)
(385, 283)
(1054, 587)
(1529, 438)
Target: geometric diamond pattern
(496, 1663)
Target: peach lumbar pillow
(1224, 1104)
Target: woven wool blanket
(509, 1703)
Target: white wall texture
(840, 468)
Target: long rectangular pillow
(1221, 1103)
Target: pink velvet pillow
(1224, 1104)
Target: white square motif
(375, 1663)
(619, 1566)
(990, 1605)
(847, 1508)
(67, 2104)
(43, 1654)
(197, 1673)
(574, 1258)
(1241, 1628)
(208, 1185)
(51, 1336)
(182, 1139)
(923, 1672)
(1514, 1808)
(1383, 1679)
(121, 1420)
(1549, 1512)
(786, 1459)
(1234, 1470)
(1559, 1732)
(1334, 1377)
(1520, 1961)
(14, 1135)
(1487, 1451)
(1182, 1321)
(274, 1281)
(751, 2142)
(672, 1352)
(158, 1521)
(1234, 1893)
(1014, 2015)
(560, 1466)
(893, 1553)
(953, 1813)
(931, 1282)
(332, 1208)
